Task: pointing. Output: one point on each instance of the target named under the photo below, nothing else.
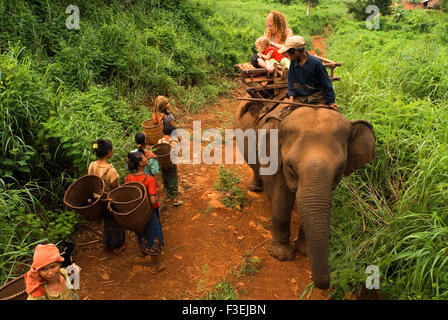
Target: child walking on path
(114, 235)
(169, 175)
(46, 280)
(151, 239)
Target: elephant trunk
(313, 200)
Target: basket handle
(104, 197)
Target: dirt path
(410, 6)
(204, 241)
(318, 46)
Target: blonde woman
(277, 30)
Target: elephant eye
(291, 170)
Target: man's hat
(296, 42)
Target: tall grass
(398, 212)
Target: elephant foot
(281, 251)
(256, 186)
(301, 247)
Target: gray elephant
(316, 147)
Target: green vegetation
(393, 213)
(228, 183)
(308, 290)
(250, 266)
(222, 291)
(60, 89)
(206, 211)
(358, 8)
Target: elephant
(316, 147)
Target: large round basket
(125, 198)
(14, 290)
(153, 132)
(162, 151)
(138, 185)
(83, 189)
(137, 218)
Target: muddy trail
(410, 5)
(205, 242)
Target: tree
(310, 3)
(358, 8)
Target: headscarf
(43, 255)
(161, 103)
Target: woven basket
(162, 151)
(137, 218)
(153, 132)
(83, 189)
(138, 185)
(14, 290)
(125, 198)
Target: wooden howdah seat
(259, 84)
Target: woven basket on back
(153, 132)
(162, 151)
(125, 198)
(14, 290)
(83, 189)
(137, 218)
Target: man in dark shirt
(308, 80)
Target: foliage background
(62, 89)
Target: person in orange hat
(46, 280)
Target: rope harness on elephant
(285, 110)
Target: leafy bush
(444, 5)
(250, 266)
(222, 291)
(86, 116)
(25, 100)
(228, 184)
(358, 8)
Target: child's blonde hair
(262, 41)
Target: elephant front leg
(257, 184)
(282, 202)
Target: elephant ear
(270, 154)
(361, 146)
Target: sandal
(177, 202)
(162, 266)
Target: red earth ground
(410, 6)
(204, 241)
